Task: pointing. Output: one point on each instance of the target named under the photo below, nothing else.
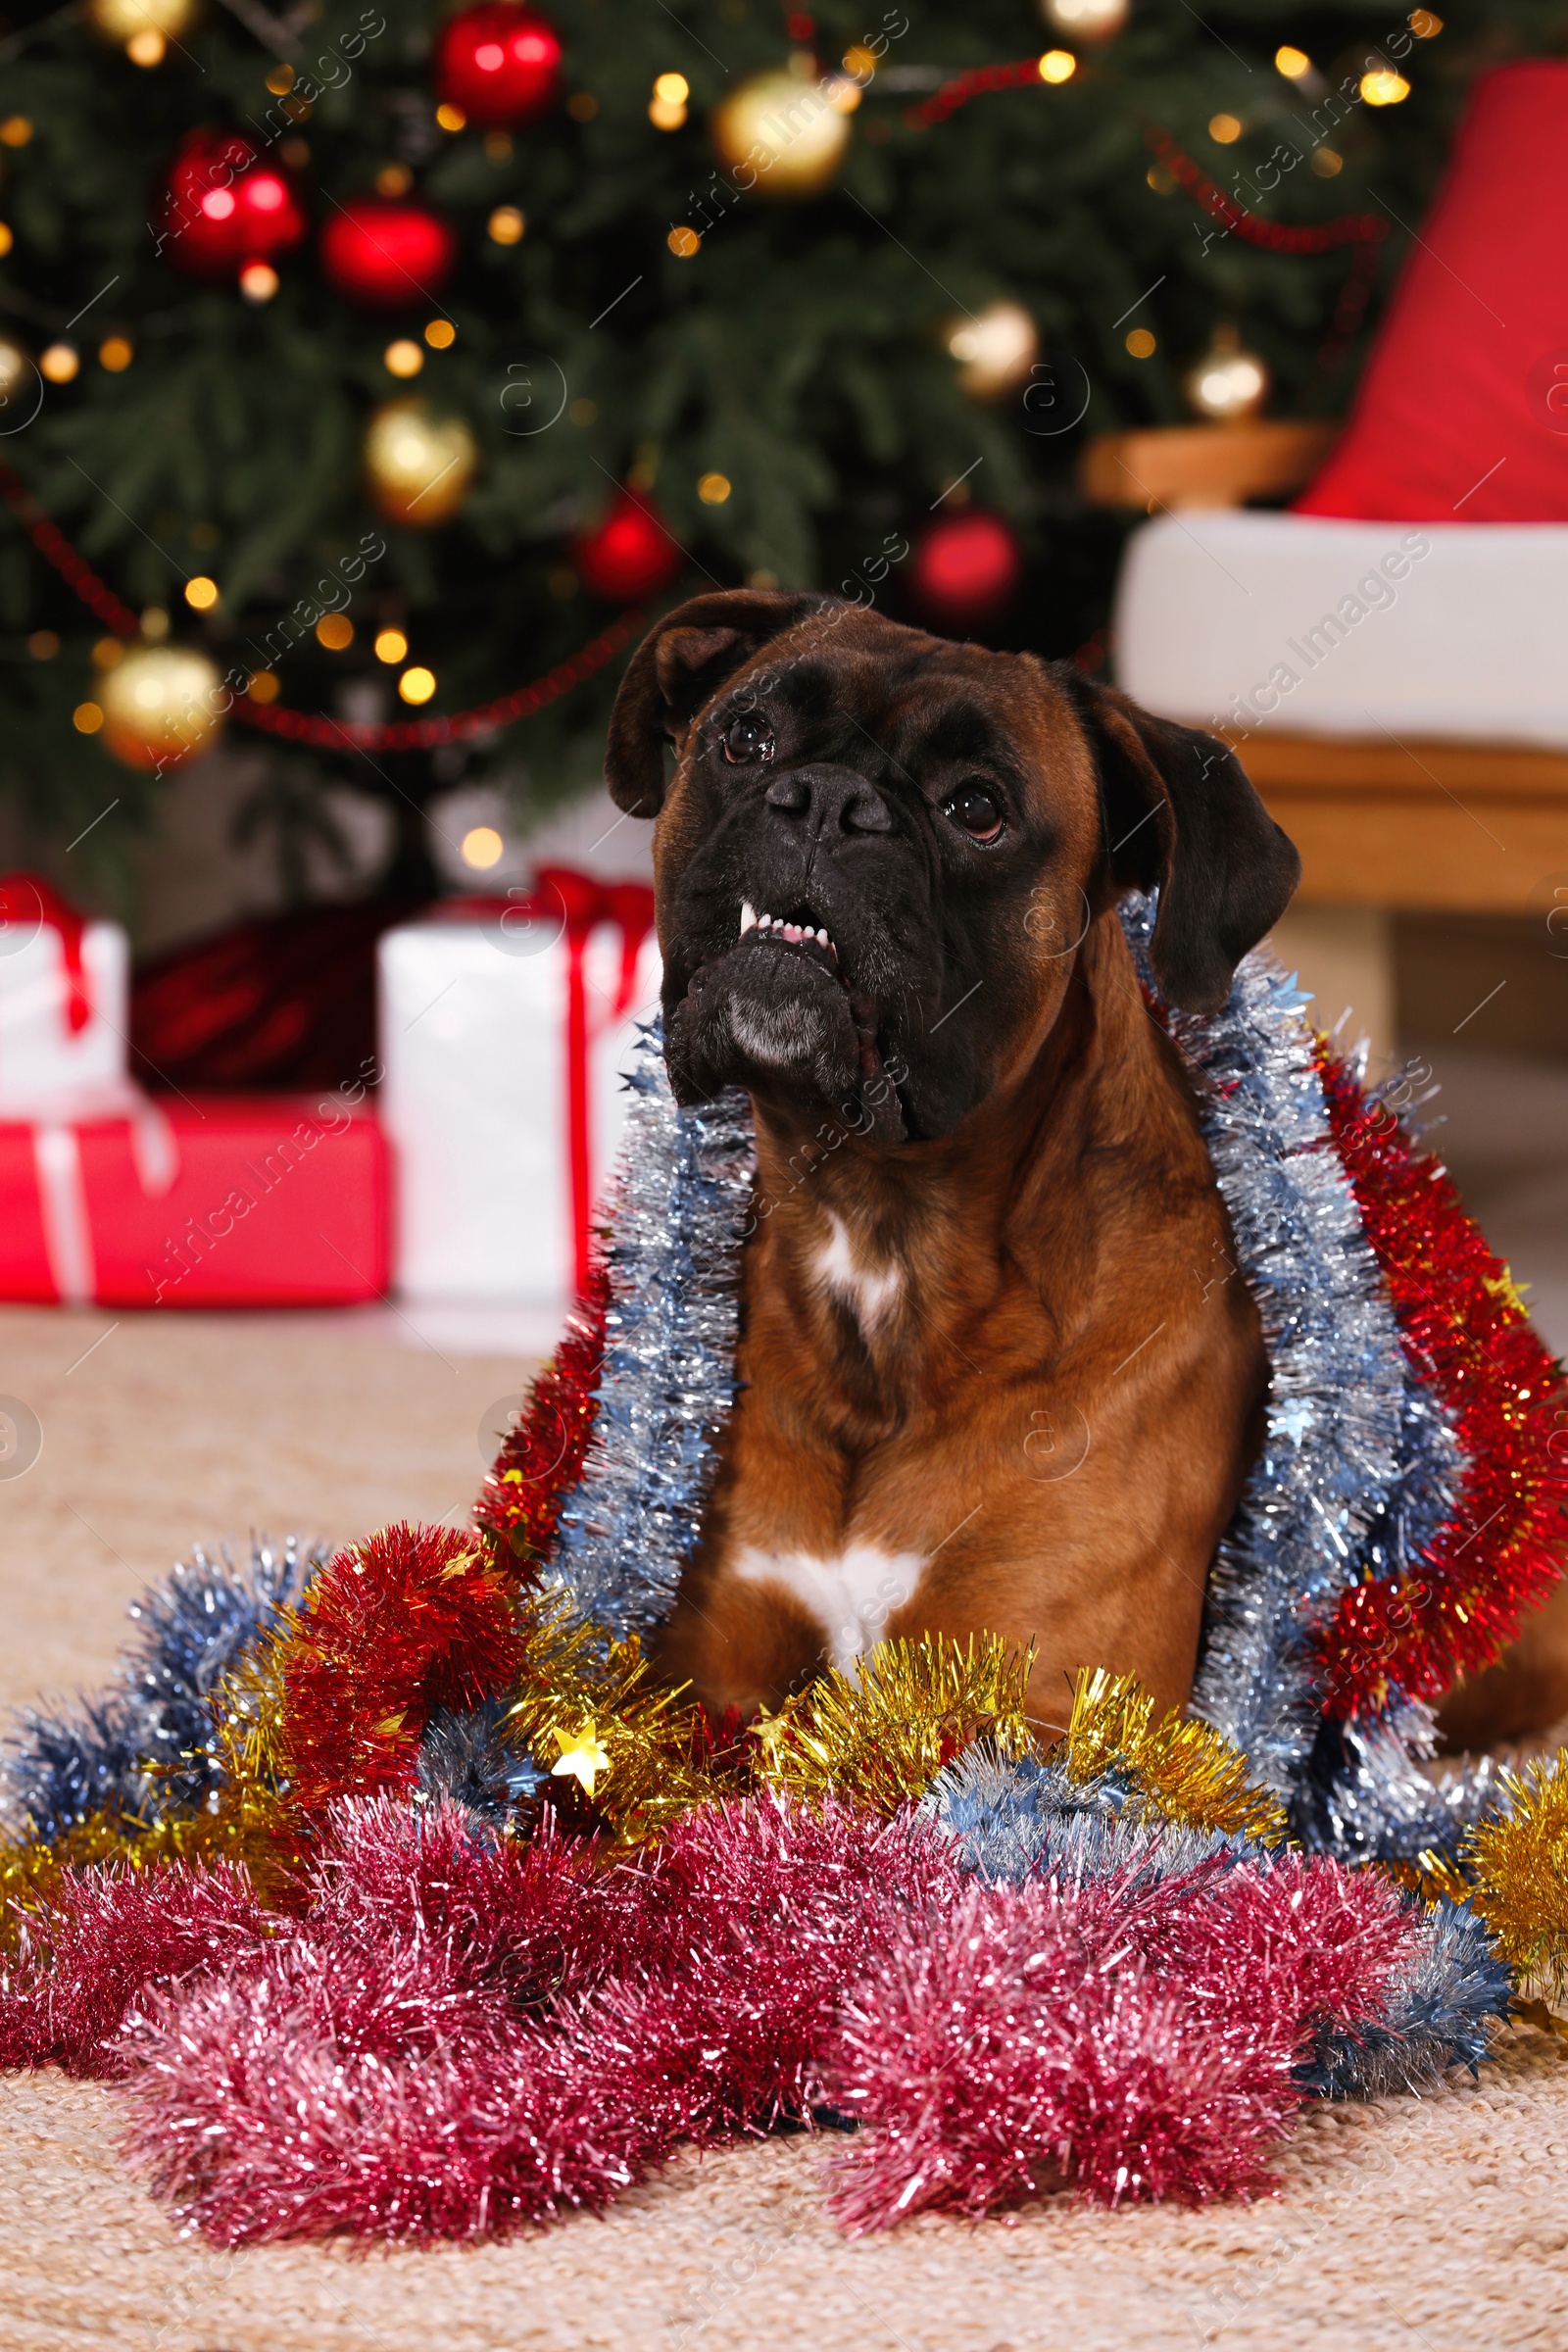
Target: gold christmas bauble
(782, 135)
(1086, 20)
(19, 385)
(161, 706)
(996, 349)
(1228, 383)
(418, 463)
(143, 28)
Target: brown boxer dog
(998, 1369)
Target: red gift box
(235, 1200)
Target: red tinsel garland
(386, 2079)
(1139, 2043)
(93, 1948)
(410, 1619)
(541, 1461)
(1461, 1317)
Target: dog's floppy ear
(1180, 811)
(674, 671)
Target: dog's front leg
(739, 1645)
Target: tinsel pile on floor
(399, 1901)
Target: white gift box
(52, 1066)
(475, 1012)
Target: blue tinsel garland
(145, 1746)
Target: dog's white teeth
(800, 934)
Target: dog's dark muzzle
(781, 1007)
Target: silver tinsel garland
(1360, 1462)
(1329, 1464)
(676, 1217)
(1016, 1817)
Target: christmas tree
(371, 373)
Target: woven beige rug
(1438, 2223)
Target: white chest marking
(851, 1597)
(869, 1293)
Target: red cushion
(1461, 415)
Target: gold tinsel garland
(587, 1711)
(1520, 1869)
(881, 1737)
(30, 1870)
(1184, 1771)
(618, 1752)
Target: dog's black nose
(830, 799)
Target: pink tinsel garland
(1134, 2042)
(462, 2035)
(88, 1956)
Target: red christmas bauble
(221, 205)
(966, 568)
(386, 254)
(499, 63)
(629, 554)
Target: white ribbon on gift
(62, 1194)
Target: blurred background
(372, 375)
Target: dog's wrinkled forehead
(906, 708)
(860, 698)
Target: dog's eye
(748, 738)
(974, 812)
